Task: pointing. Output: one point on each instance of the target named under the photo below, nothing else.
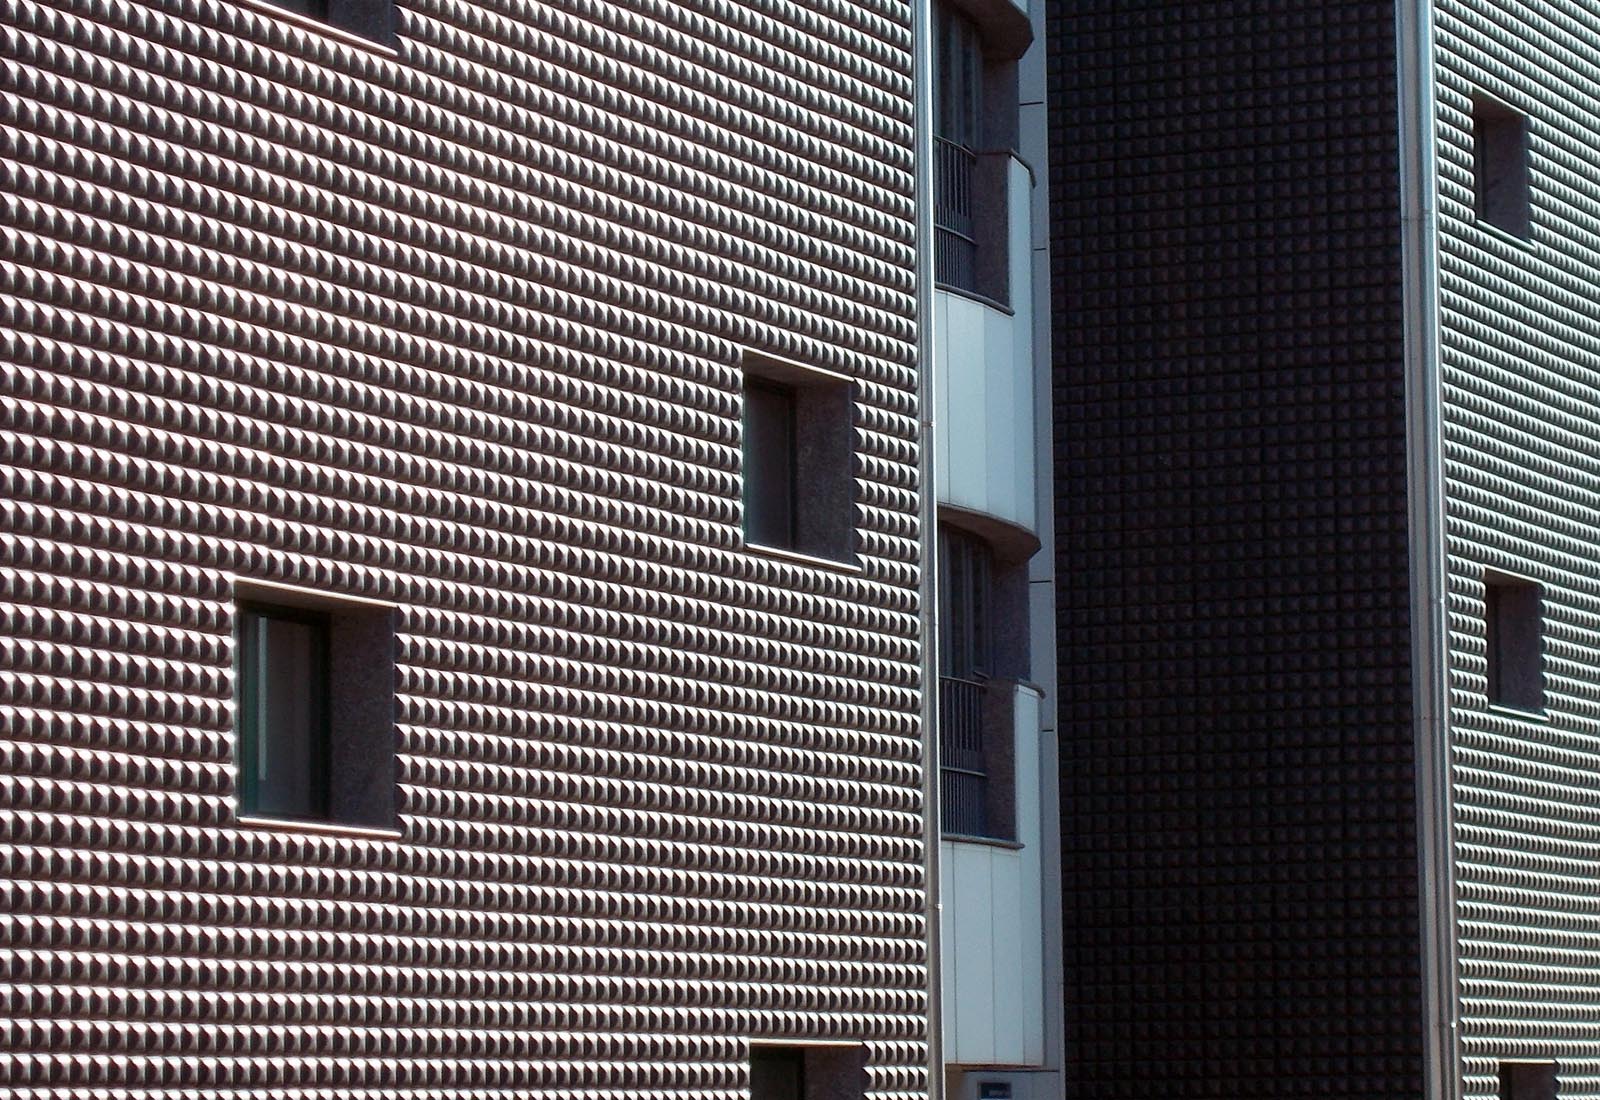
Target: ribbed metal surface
(457, 329)
(1521, 374)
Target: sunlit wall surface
(430, 333)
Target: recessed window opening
(798, 456)
(372, 19)
(1500, 165)
(965, 741)
(966, 567)
(833, 1072)
(1514, 642)
(1527, 1081)
(314, 696)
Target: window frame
(1502, 183)
(958, 76)
(1528, 1079)
(1513, 635)
(822, 525)
(825, 1069)
(966, 581)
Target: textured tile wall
(457, 328)
(1236, 744)
(1520, 327)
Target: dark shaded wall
(1237, 814)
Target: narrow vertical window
(958, 77)
(1514, 642)
(283, 712)
(965, 566)
(1500, 165)
(957, 124)
(970, 748)
(769, 464)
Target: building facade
(998, 877)
(1327, 419)
(462, 630)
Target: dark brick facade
(1238, 809)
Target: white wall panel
(994, 926)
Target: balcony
(955, 257)
(963, 765)
(970, 219)
(986, 381)
(992, 915)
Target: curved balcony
(992, 918)
(983, 355)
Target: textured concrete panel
(1520, 329)
(458, 329)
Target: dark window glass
(769, 464)
(957, 77)
(965, 665)
(283, 712)
(316, 9)
(1527, 1081)
(374, 19)
(965, 566)
(1500, 165)
(777, 1073)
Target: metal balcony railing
(963, 774)
(955, 253)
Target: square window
(1500, 165)
(798, 460)
(808, 1072)
(1527, 1081)
(314, 690)
(1514, 642)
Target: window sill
(795, 557)
(985, 841)
(1540, 716)
(1505, 236)
(326, 30)
(330, 828)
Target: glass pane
(769, 465)
(964, 613)
(777, 1074)
(957, 77)
(288, 747)
(317, 9)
